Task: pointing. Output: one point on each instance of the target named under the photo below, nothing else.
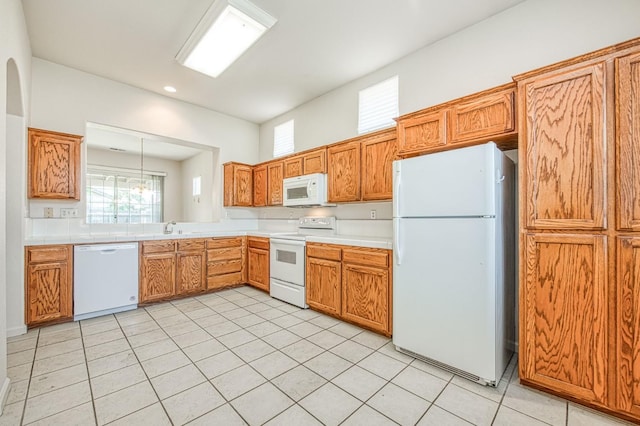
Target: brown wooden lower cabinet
(48, 279)
(351, 283)
(258, 250)
(324, 285)
(226, 262)
(628, 326)
(191, 267)
(563, 321)
(157, 270)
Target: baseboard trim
(16, 331)
(4, 393)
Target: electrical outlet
(372, 214)
(69, 212)
(48, 212)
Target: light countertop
(350, 240)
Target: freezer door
(460, 182)
(444, 292)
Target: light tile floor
(240, 357)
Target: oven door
(287, 260)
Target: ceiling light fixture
(226, 31)
(170, 89)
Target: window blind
(378, 106)
(283, 139)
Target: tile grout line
(86, 366)
(26, 398)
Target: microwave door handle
(308, 187)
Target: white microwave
(305, 191)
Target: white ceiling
(316, 45)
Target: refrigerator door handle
(396, 243)
(396, 191)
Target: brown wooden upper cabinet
(293, 166)
(422, 131)
(54, 165)
(260, 186)
(343, 172)
(485, 116)
(564, 146)
(48, 279)
(238, 185)
(306, 163)
(628, 142)
(274, 183)
(488, 116)
(379, 150)
(314, 161)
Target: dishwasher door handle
(108, 251)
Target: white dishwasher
(105, 279)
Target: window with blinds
(123, 196)
(283, 139)
(378, 106)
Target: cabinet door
(491, 115)
(563, 318)
(243, 185)
(323, 285)
(49, 292)
(260, 186)
(274, 190)
(315, 162)
(365, 296)
(158, 276)
(293, 167)
(191, 272)
(564, 149)
(54, 165)
(628, 325)
(422, 133)
(258, 264)
(377, 160)
(343, 172)
(628, 142)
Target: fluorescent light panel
(226, 31)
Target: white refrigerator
(454, 260)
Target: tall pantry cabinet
(579, 148)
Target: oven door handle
(280, 244)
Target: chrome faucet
(168, 228)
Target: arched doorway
(12, 174)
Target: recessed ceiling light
(226, 31)
(170, 89)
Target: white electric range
(288, 259)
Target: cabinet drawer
(324, 252)
(366, 257)
(218, 281)
(227, 253)
(224, 242)
(258, 242)
(191, 245)
(223, 267)
(158, 246)
(47, 254)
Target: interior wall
(529, 35)
(65, 99)
(15, 51)
(197, 209)
(15, 167)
